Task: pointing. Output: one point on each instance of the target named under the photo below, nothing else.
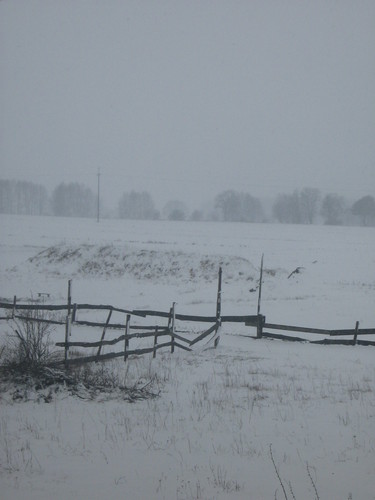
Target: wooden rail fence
(354, 332)
(168, 333)
(170, 336)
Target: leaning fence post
(14, 306)
(126, 336)
(173, 320)
(68, 325)
(218, 306)
(155, 342)
(355, 333)
(103, 333)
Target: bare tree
(22, 197)
(73, 200)
(286, 208)
(309, 202)
(238, 207)
(365, 209)
(197, 215)
(134, 205)
(300, 207)
(332, 210)
(175, 210)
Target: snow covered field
(225, 419)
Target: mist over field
(185, 101)
(195, 160)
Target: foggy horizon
(187, 100)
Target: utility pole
(98, 202)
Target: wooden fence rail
(155, 332)
(321, 331)
(121, 338)
(354, 332)
(250, 320)
(70, 309)
(69, 312)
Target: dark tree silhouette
(365, 209)
(286, 208)
(22, 197)
(175, 210)
(136, 205)
(73, 200)
(309, 199)
(300, 207)
(238, 207)
(332, 210)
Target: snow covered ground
(226, 421)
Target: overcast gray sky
(187, 98)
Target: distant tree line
(139, 206)
(73, 200)
(27, 198)
(306, 206)
(21, 197)
(300, 207)
(238, 207)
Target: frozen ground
(224, 418)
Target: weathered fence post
(155, 342)
(127, 326)
(14, 306)
(355, 333)
(74, 313)
(218, 306)
(69, 295)
(68, 326)
(260, 317)
(103, 333)
(260, 324)
(173, 320)
(218, 299)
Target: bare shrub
(29, 344)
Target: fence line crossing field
(256, 417)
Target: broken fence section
(351, 332)
(155, 332)
(160, 336)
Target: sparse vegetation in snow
(207, 423)
(167, 266)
